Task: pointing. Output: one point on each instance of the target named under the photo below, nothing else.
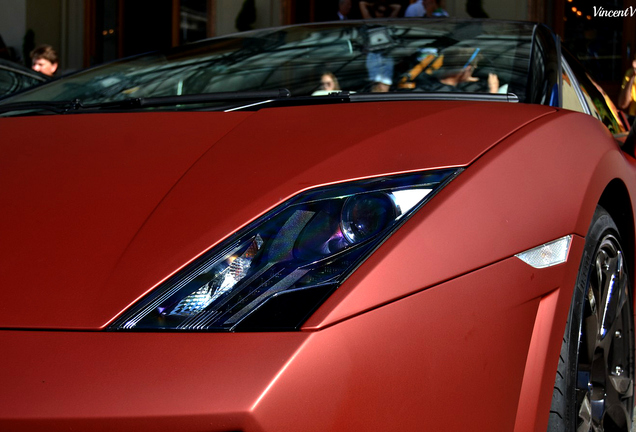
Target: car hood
(97, 209)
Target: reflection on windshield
(393, 56)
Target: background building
(89, 32)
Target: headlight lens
(274, 273)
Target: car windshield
(318, 59)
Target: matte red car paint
(114, 213)
(472, 335)
(508, 317)
(490, 212)
(353, 372)
(77, 190)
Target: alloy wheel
(604, 390)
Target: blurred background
(90, 32)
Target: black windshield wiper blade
(58, 107)
(331, 98)
(434, 96)
(345, 97)
(203, 98)
(63, 107)
(257, 99)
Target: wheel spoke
(614, 280)
(585, 416)
(616, 419)
(600, 264)
(622, 385)
(588, 340)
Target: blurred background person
(434, 9)
(44, 59)
(344, 7)
(415, 9)
(380, 70)
(380, 67)
(328, 84)
(379, 9)
(455, 73)
(5, 52)
(627, 95)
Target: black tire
(593, 390)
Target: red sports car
(396, 225)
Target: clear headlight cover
(274, 273)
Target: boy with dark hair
(44, 60)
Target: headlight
(274, 273)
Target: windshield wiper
(58, 107)
(65, 107)
(256, 99)
(437, 96)
(346, 97)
